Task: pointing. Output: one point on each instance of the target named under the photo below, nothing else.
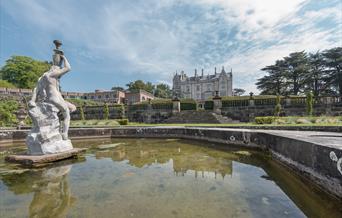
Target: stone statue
(49, 112)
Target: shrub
(6, 84)
(264, 120)
(7, 112)
(82, 113)
(105, 112)
(123, 121)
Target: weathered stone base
(52, 147)
(36, 160)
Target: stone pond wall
(314, 155)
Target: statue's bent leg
(64, 109)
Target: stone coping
(261, 127)
(313, 154)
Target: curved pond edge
(316, 156)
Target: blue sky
(110, 43)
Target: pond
(159, 178)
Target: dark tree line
(301, 72)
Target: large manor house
(201, 87)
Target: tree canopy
(5, 84)
(160, 90)
(139, 84)
(22, 71)
(163, 91)
(302, 72)
(238, 92)
(118, 88)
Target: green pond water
(159, 178)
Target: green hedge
(162, 105)
(137, 107)
(188, 104)
(81, 102)
(166, 104)
(235, 103)
(208, 105)
(266, 101)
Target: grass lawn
(114, 123)
(89, 123)
(231, 124)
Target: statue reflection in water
(52, 196)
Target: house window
(198, 88)
(209, 87)
(188, 88)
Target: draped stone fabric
(45, 136)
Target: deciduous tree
(22, 71)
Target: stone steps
(198, 117)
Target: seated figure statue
(49, 112)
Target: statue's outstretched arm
(64, 70)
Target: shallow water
(159, 178)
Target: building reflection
(185, 159)
(52, 196)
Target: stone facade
(110, 96)
(15, 92)
(202, 87)
(132, 97)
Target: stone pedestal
(175, 105)
(45, 136)
(251, 103)
(38, 160)
(148, 116)
(217, 104)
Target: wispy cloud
(154, 38)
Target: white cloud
(158, 37)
